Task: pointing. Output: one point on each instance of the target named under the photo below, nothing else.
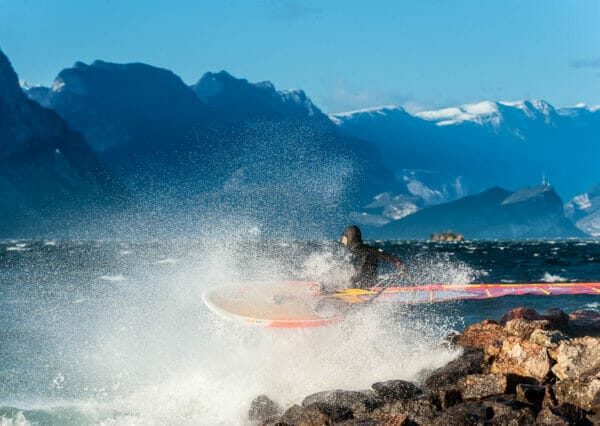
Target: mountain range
(247, 155)
(49, 177)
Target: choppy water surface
(116, 333)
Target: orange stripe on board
(431, 296)
(545, 291)
(489, 293)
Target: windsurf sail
(446, 292)
(298, 304)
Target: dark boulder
(478, 386)
(465, 414)
(263, 409)
(393, 390)
(359, 403)
(531, 394)
(584, 323)
(470, 362)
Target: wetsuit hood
(353, 235)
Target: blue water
(115, 332)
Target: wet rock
(362, 422)
(584, 392)
(548, 417)
(548, 338)
(523, 328)
(557, 318)
(478, 386)
(465, 414)
(520, 417)
(359, 403)
(305, 416)
(502, 405)
(393, 390)
(481, 335)
(384, 420)
(573, 414)
(263, 409)
(521, 313)
(576, 357)
(419, 410)
(522, 358)
(470, 362)
(584, 323)
(444, 398)
(531, 394)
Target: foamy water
(147, 351)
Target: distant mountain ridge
(239, 151)
(492, 214)
(222, 147)
(480, 142)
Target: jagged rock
(572, 413)
(465, 414)
(584, 323)
(547, 338)
(480, 335)
(417, 410)
(522, 313)
(359, 403)
(523, 358)
(524, 328)
(584, 392)
(363, 422)
(393, 390)
(444, 398)
(477, 386)
(470, 362)
(502, 405)
(524, 416)
(557, 318)
(388, 420)
(262, 409)
(531, 394)
(548, 417)
(305, 416)
(575, 357)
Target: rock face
(50, 180)
(500, 379)
(574, 358)
(495, 213)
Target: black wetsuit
(366, 262)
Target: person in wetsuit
(365, 258)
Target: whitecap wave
(549, 278)
(113, 278)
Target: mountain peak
(9, 82)
(247, 100)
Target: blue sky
(346, 54)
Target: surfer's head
(351, 236)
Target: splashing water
(146, 351)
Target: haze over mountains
(246, 154)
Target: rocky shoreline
(527, 368)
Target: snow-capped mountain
(584, 211)
(488, 143)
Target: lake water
(115, 332)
